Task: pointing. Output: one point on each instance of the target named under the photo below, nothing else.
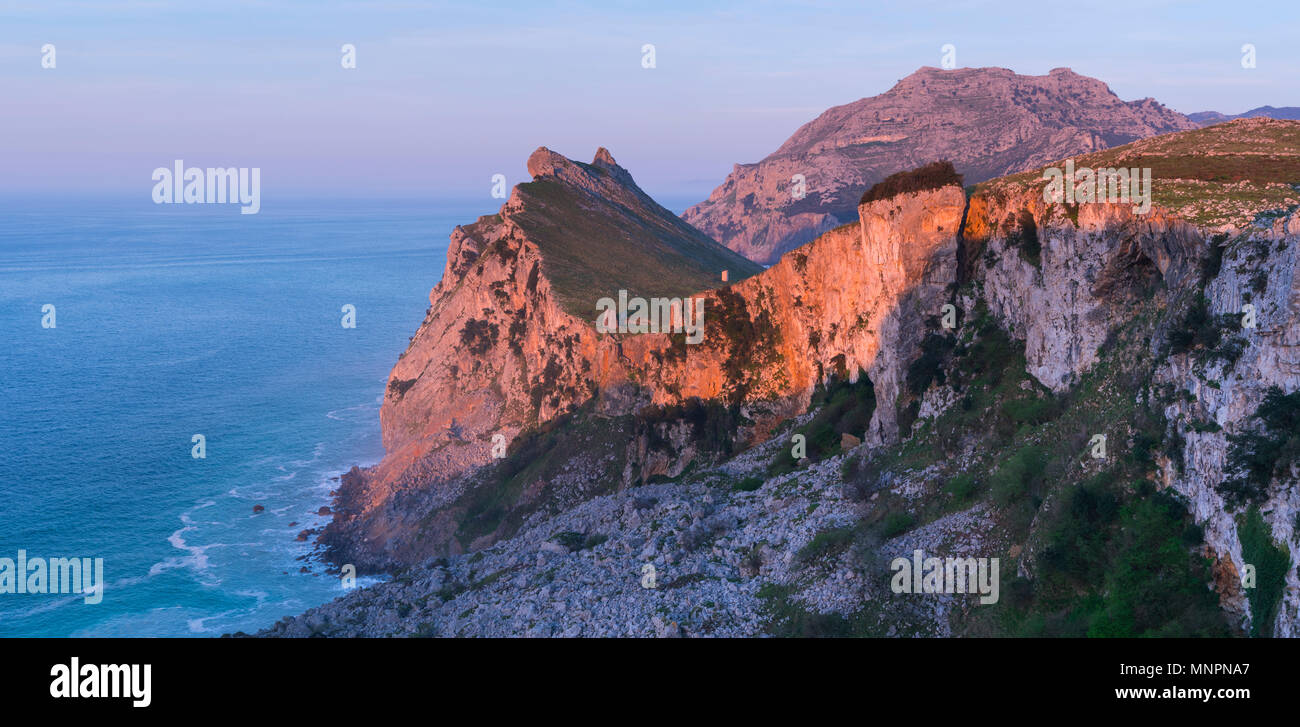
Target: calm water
(182, 320)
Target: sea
(128, 328)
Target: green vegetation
(1206, 335)
(1235, 173)
(478, 336)
(962, 488)
(897, 523)
(787, 618)
(1271, 563)
(399, 387)
(1255, 458)
(503, 495)
(713, 424)
(1020, 475)
(750, 337)
(827, 542)
(1115, 563)
(593, 247)
(579, 541)
(931, 176)
(928, 367)
(842, 408)
(1111, 555)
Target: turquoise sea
(178, 320)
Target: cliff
(504, 348)
(988, 121)
(1096, 413)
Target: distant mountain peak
(988, 121)
(1209, 118)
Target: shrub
(1103, 548)
(749, 484)
(787, 618)
(843, 408)
(897, 523)
(1019, 474)
(1029, 410)
(579, 541)
(478, 336)
(961, 487)
(826, 542)
(1201, 330)
(928, 367)
(931, 176)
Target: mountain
(987, 121)
(1077, 390)
(1209, 118)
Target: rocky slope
(1083, 422)
(988, 121)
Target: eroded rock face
(1228, 395)
(988, 121)
(497, 353)
(1065, 298)
(1066, 303)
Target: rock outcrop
(988, 122)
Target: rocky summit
(1090, 403)
(989, 122)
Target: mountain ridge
(987, 121)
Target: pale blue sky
(447, 94)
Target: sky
(445, 95)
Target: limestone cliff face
(1067, 299)
(987, 121)
(1259, 268)
(498, 353)
(1064, 298)
(853, 301)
